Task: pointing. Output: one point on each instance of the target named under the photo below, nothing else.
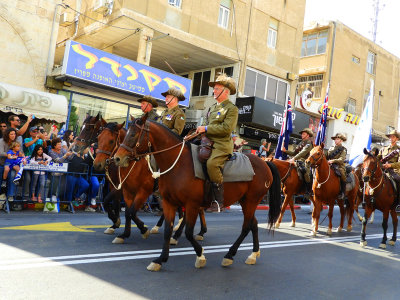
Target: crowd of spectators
(32, 145)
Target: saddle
(394, 180)
(301, 169)
(349, 169)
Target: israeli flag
(362, 136)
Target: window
(351, 105)
(272, 33)
(265, 86)
(200, 83)
(355, 59)
(223, 17)
(314, 43)
(371, 63)
(228, 71)
(314, 82)
(176, 3)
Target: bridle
(117, 143)
(94, 133)
(316, 165)
(371, 189)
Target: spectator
(68, 138)
(15, 122)
(39, 158)
(9, 137)
(238, 143)
(94, 179)
(264, 151)
(58, 155)
(12, 161)
(3, 127)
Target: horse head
(316, 156)
(370, 165)
(90, 129)
(108, 141)
(135, 142)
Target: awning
(19, 100)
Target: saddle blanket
(238, 169)
(350, 184)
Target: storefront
(262, 119)
(109, 85)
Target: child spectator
(12, 160)
(39, 158)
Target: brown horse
(292, 185)
(135, 181)
(180, 187)
(378, 194)
(326, 187)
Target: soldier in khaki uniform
(390, 155)
(173, 117)
(337, 156)
(301, 152)
(221, 122)
(148, 105)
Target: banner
(50, 167)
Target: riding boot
(342, 189)
(218, 191)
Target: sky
(357, 15)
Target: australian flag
(320, 138)
(286, 130)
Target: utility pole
(377, 8)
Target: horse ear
(103, 122)
(132, 118)
(366, 151)
(119, 126)
(98, 117)
(313, 144)
(375, 151)
(322, 145)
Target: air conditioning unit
(66, 19)
(100, 6)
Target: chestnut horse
(379, 194)
(180, 187)
(326, 187)
(292, 185)
(135, 181)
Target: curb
(260, 207)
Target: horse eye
(111, 142)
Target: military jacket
(394, 161)
(337, 154)
(221, 122)
(302, 150)
(174, 119)
(152, 115)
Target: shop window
(223, 17)
(176, 3)
(371, 63)
(314, 82)
(314, 43)
(272, 33)
(200, 83)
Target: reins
(317, 166)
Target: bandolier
(337, 156)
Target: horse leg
(203, 226)
(190, 217)
(367, 213)
(342, 214)
(352, 198)
(180, 216)
(127, 231)
(137, 203)
(371, 219)
(315, 217)
(330, 215)
(252, 258)
(385, 227)
(393, 214)
(169, 214)
(178, 231)
(283, 208)
(291, 205)
(112, 204)
(158, 225)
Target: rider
(221, 122)
(337, 156)
(173, 117)
(148, 105)
(301, 152)
(392, 164)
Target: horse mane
(88, 118)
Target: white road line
(41, 262)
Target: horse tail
(274, 195)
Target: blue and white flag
(362, 136)
(320, 138)
(286, 130)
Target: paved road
(67, 256)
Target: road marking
(62, 226)
(41, 262)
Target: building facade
(332, 52)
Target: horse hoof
(313, 233)
(371, 222)
(200, 261)
(199, 238)
(382, 246)
(177, 225)
(109, 231)
(118, 240)
(293, 224)
(359, 217)
(252, 258)
(226, 262)
(349, 228)
(392, 243)
(154, 230)
(277, 225)
(146, 234)
(154, 267)
(173, 241)
(329, 232)
(339, 229)
(363, 243)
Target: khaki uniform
(338, 155)
(394, 161)
(152, 115)
(174, 119)
(302, 150)
(221, 121)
